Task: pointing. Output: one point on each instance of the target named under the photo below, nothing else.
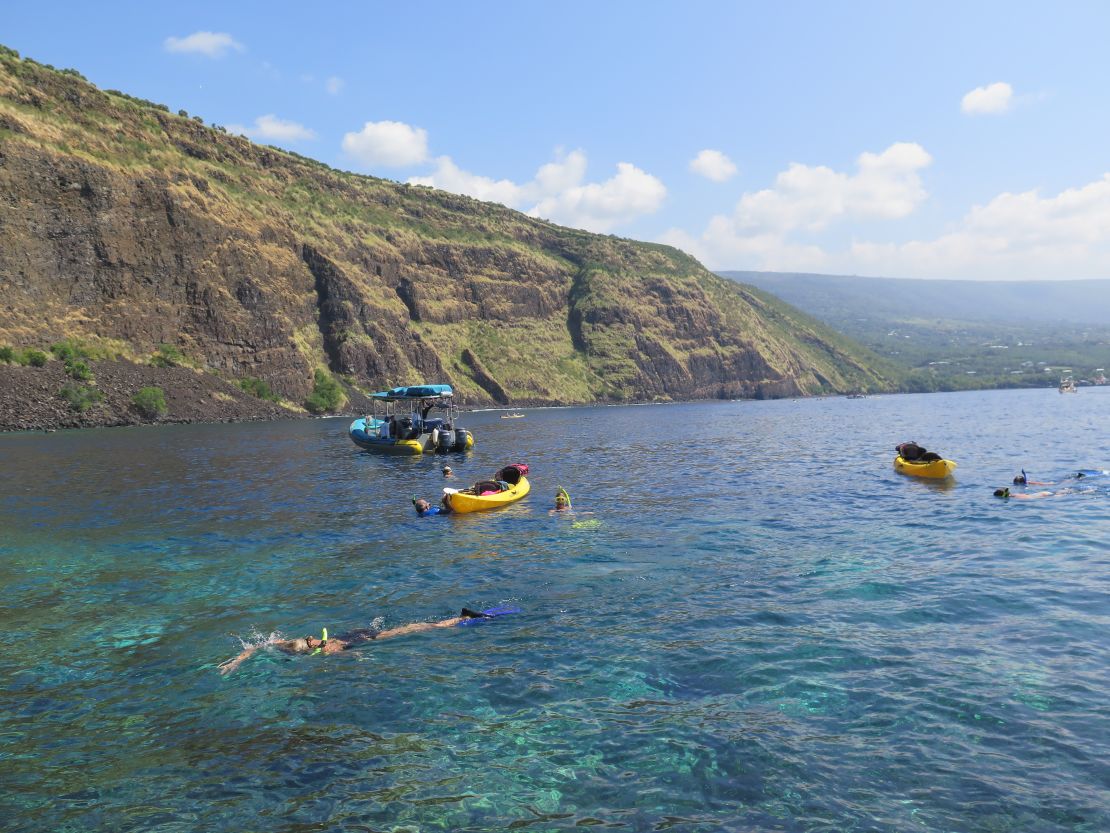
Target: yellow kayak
(465, 500)
(936, 469)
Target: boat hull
(463, 503)
(936, 469)
(370, 441)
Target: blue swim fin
(489, 613)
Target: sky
(917, 139)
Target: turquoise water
(767, 629)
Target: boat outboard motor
(446, 440)
(461, 435)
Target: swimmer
(1023, 480)
(352, 639)
(1006, 493)
(447, 472)
(562, 500)
(424, 508)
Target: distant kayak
(512, 416)
(937, 469)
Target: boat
(936, 469)
(512, 416)
(1067, 384)
(401, 422)
(509, 485)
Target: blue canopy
(414, 392)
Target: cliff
(126, 225)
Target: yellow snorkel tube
(323, 638)
(562, 493)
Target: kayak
(936, 469)
(466, 501)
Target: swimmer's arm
(228, 666)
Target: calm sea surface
(766, 629)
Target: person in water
(360, 636)
(562, 500)
(424, 508)
(1006, 493)
(447, 472)
(1023, 480)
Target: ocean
(749, 623)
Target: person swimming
(447, 472)
(562, 500)
(424, 508)
(360, 636)
(1023, 480)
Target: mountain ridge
(129, 225)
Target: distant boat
(512, 416)
(857, 396)
(1067, 385)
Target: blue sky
(959, 140)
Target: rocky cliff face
(124, 223)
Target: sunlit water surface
(766, 629)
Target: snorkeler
(562, 500)
(360, 636)
(1023, 480)
(424, 508)
(1006, 493)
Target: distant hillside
(126, 227)
(843, 297)
(957, 334)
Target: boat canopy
(414, 392)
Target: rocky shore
(31, 399)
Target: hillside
(126, 227)
(961, 333)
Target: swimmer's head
(1080, 476)
(421, 505)
(446, 471)
(561, 500)
(1019, 480)
(1002, 492)
(299, 646)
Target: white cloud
(558, 192)
(1014, 236)
(989, 100)
(602, 206)
(271, 127)
(334, 85)
(209, 44)
(714, 165)
(808, 199)
(390, 144)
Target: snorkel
(323, 641)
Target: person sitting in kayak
(911, 452)
(360, 636)
(424, 508)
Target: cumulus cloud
(989, 100)
(714, 165)
(1014, 236)
(273, 128)
(390, 144)
(334, 85)
(805, 199)
(209, 44)
(559, 193)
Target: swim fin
(475, 617)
